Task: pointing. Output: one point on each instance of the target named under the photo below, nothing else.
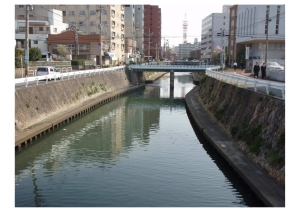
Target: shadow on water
(249, 197)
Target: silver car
(274, 66)
(48, 70)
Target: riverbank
(207, 105)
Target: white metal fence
(258, 85)
(67, 75)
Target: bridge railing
(67, 75)
(247, 82)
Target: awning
(109, 54)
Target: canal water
(138, 151)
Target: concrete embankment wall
(35, 104)
(253, 120)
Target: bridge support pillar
(172, 79)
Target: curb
(265, 187)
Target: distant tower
(185, 27)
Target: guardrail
(67, 75)
(173, 67)
(247, 82)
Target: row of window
(85, 46)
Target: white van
(48, 70)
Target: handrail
(67, 75)
(238, 79)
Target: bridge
(172, 69)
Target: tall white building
(252, 29)
(39, 28)
(212, 28)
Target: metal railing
(67, 75)
(258, 85)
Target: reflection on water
(137, 151)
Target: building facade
(39, 28)
(107, 20)
(214, 30)
(261, 28)
(134, 43)
(152, 31)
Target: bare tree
(62, 50)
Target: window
(113, 13)
(122, 27)
(21, 6)
(71, 13)
(64, 13)
(21, 29)
(122, 47)
(21, 16)
(82, 12)
(54, 29)
(122, 17)
(35, 42)
(30, 16)
(122, 37)
(104, 22)
(93, 12)
(40, 28)
(113, 35)
(81, 23)
(92, 23)
(113, 24)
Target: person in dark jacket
(242, 65)
(263, 71)
(256, 70)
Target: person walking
(242, 65)
(234, 65)
(256, 70)
(263, 71)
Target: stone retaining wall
(36, 103)
(256, 121)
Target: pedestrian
(263, 71)
(242, 65)
(256, 70)
(234, 65)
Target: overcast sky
(174, 14)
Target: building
(184, 50)
(134, 39)
(213, 27)
(261, 28)
(39, 28)
(152, 31)
(89, 20)
(87, 45)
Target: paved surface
(265, 187)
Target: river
(140, 150)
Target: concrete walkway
(265, 187)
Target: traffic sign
(26, 56)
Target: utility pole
(100, 34)
(221, 53)
(267, 36)
(27, 40)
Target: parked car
(48, 70)
(274, 66)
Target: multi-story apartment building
(134, 39)
(152, 31)
(261, 28)
(50, 22)
(212, 28)
(185, 49)
(107, 20)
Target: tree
(215, 56)
(241, 56)
(18, 53)
(62, 50)
(35, 54)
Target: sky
(173, 16)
